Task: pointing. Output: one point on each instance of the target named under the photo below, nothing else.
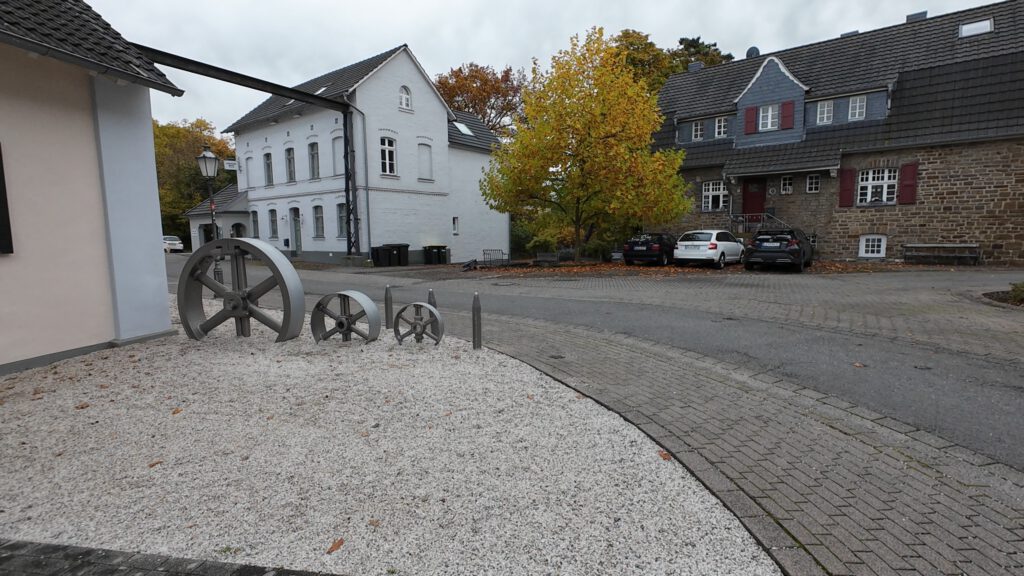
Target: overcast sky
(293, 41)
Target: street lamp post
(208, 163)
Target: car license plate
(640, 247)
(692, 247)
(771, 244)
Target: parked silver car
(715, 247)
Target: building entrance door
(296, 230)
(753, 198)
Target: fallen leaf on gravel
(104, 386)
(155, 463)
(529, 396)
(271, 417)
(364, 434)
(176, 411)
(664, 455)
(456, 356)
(448, 413)
(61, 453)
(580, 396)
(37, 391)
(337, 544)
(82, 406)
(858, 365)
(374, 522)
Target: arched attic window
(404, 98)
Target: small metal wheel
(425, 321)
(345, 321)
(241, 301)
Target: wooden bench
(942, 253)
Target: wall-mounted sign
(231, 165)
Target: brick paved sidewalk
(827, 487)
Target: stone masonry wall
(965, 194)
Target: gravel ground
(402, 459)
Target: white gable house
(411, 175)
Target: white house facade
(80, 233)
(411, 176)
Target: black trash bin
(429, 256)
(435, 254)
(442, 254)
(403, 253)
(379, 256)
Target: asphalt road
(963, 397)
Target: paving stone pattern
(825, 486)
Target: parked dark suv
(788, 246)
(649, 247)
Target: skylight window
(463, 128)
(975, 28)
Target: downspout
(366, 173)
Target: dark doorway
(753, 198)
(238, 230)
(296, 230)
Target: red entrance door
(753, 199)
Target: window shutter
(786, 121)
(847, 183)
(750, 121)
(906, 190)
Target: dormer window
(975, 28)
(697, 131)
(769, 118)
(404, 98)
(721, 127)
(858, 107)
(825, 112)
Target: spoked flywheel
(419, 319)
(355, 313)
(240, 300)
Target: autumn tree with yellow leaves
(581, 156)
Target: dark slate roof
(71, 31)
(852, 64)
(482, 137)
(228, 200)
(338, 84)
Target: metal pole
(478, 330)
(388, 315)
(218, 274)
(430, 298)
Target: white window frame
(858, 107)
(289, 164)
(342, 220)
(712, 190)
(404, 98)
(813, 183)
(338, 155)
(255, 218)
(388, 149)
(968, 29)
(697, 131)
(318, 221)
(786, 185)
(268, 169)
(877, 186)
(825, 109)
(314, 160)
(768, 118)
(722, 127)
(872, 246)
(272, 215)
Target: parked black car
(788, 246)
(649, 247)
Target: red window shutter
(750, 121)
(786, 120)
(906, 190)
(847, 184)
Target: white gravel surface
(415, 459)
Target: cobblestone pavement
(826, 486)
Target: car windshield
(695, 237)
(171, 239)
(644, 238)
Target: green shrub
(1017, 293)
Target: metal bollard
(478, 330)
(388, 312)
(430, 298)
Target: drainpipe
(366, 173)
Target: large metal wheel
(422, 320)
(364, 323)
(240, 301)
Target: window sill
(314, 179)
(292, 183)
(876, 205)
(406, 110)
(857, 119)
(272, 238)
(268, 185)
(390, 176)
(763, 130)
(425, 180)
(320, 238)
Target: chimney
(917, 16)
(695, 66)
(850, 33)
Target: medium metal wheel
(364, 323)
(240, 301)
(425, 321)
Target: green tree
(181, 185)
(495, 97)
(650, 64)
(692, 50)
(581, 156)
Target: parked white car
(173, 244)
(715, 247)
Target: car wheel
(748, 265)
(628, 262)
(663, 261)
(799, 266)
(720, 263)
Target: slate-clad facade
(905, 135)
